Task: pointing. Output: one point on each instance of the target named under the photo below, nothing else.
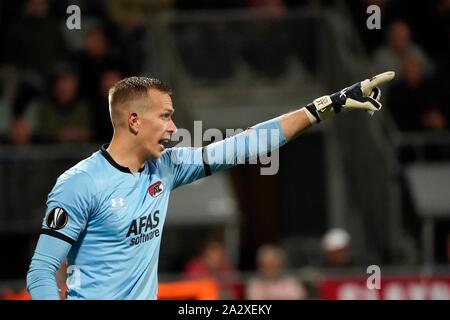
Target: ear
(134, 122)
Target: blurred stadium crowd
(54, 84)
(66, 74)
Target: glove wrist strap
(311, 113)
(323, 108)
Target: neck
(125, 153)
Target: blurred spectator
(431, 32)
(34, 41)
(97, 56)
(371, 38)
(9, 294)
(19, 131)
(198, 42)
(398, 46)
(267, 26)
(412, 92)
(132, 12)
(272, 282)
(63, 117)
(212, 262)
(101, 126)
(336, 248)
(100, 66)
(129, 29)
(34, 44)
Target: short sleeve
(69, 206)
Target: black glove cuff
(312, 109)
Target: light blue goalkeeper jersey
(109, 221)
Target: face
(214, 256)
(37, 8)
(338, 257)
(95, 43)
(65, 88)
(107, 80)
(399, 36)
(411, 71)
(271, 263)
(155, 125)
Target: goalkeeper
(106, 214)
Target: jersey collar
(114, 163)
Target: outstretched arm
(191, 164)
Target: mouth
(163, 143)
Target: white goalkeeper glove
(364, 95)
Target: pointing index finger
(380, 79)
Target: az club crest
(156, 189)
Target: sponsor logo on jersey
(156, 189)
(57, 219)
(144, 228)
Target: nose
(172, 127)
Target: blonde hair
(132, 90)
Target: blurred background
(353, 192)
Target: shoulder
(85, 173)
(164, 162)
(73, 185)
